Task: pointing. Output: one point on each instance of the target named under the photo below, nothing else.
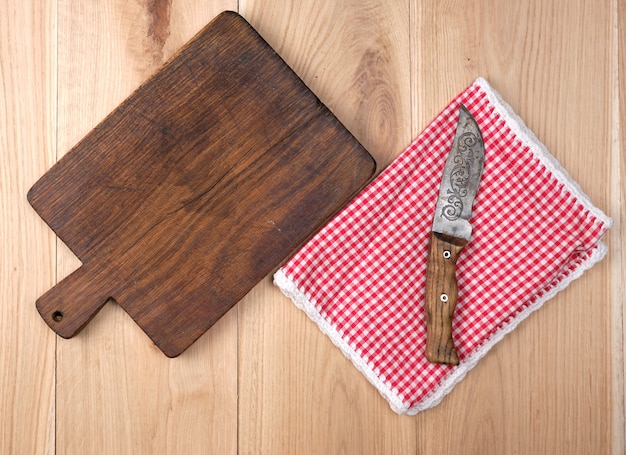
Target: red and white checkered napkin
(362, 277)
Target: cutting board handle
(74, 301)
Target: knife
(451, 231)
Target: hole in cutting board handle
(72, 303)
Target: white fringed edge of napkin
(289, 288)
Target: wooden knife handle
(441, 297)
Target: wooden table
(264, 379)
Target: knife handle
(441, 297)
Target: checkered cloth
(362, 277)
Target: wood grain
(116, 392)
(197, 186)
(354, 57)
(27, 146)
(264, 380)
(297, 393)
(548, 60)
(443, 253)
(618, 239)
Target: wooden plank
(618, 238)
(116, 392)
(353, 56)
(27, 148)
(297, 392)
(546, 388)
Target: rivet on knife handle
(441, 297)
(450, 233)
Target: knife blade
(451, 231)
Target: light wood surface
(264, 379)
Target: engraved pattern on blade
(461, 177)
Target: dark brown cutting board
(202, 182)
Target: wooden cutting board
(202, 182)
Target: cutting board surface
(203, 181)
